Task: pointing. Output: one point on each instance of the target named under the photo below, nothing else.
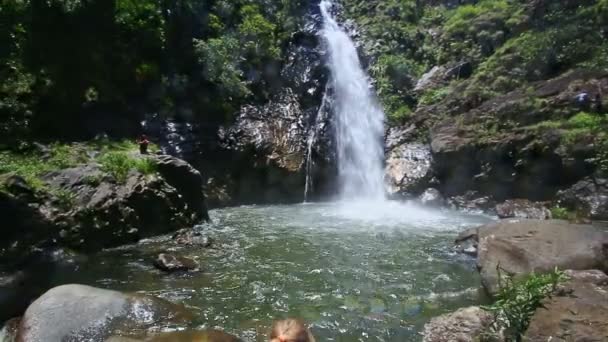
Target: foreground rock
(578, 312)
(87, 209)
(464, 325)
(521, 247)
(83, 313)
(522, 208)
(175, 263)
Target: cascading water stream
(359, 118)
(312, 138)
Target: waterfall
(359, 119)
(312, 138)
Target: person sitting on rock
(290, 330)
(143, 144)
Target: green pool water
(355, 272)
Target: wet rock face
(522, 208)
(576, 313)
(522, 247)
(588, 197)
(79, 313)
(267, 150)
(176, 137)
(464, 325)
(276, 130)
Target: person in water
(143, 144)
(290, 330)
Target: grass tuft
(517, 301)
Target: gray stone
(588, 197)
(519, 247)
(408, 168)
(578, 312)
(464, 325)
(175, 263)
(522, 208)
(83, 313)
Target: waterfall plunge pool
(355, 272)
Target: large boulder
(521, 247)
(578, 312)
(464, 325)
(175, 263)
(187, 181)
(408, 165)
(83, 313)
(588, 197)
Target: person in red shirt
(143, 144)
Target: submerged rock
(83, 313)
(578, 312)
(192, 237)
(522, 208)
(464, 325)
(521, 247)
(432, 197)
(175, 263)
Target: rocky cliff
(89, 206)
(492, 100)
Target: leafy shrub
(586, 120)
(434, 96)
(517, 301)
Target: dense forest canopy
(63, 61)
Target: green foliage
(119, 164)
(399, 115)
(434, 96)
(257, 33)
(222, 64)
(560, 213)
(517, 300)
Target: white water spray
(359, 118)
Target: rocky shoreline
(575, 311)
